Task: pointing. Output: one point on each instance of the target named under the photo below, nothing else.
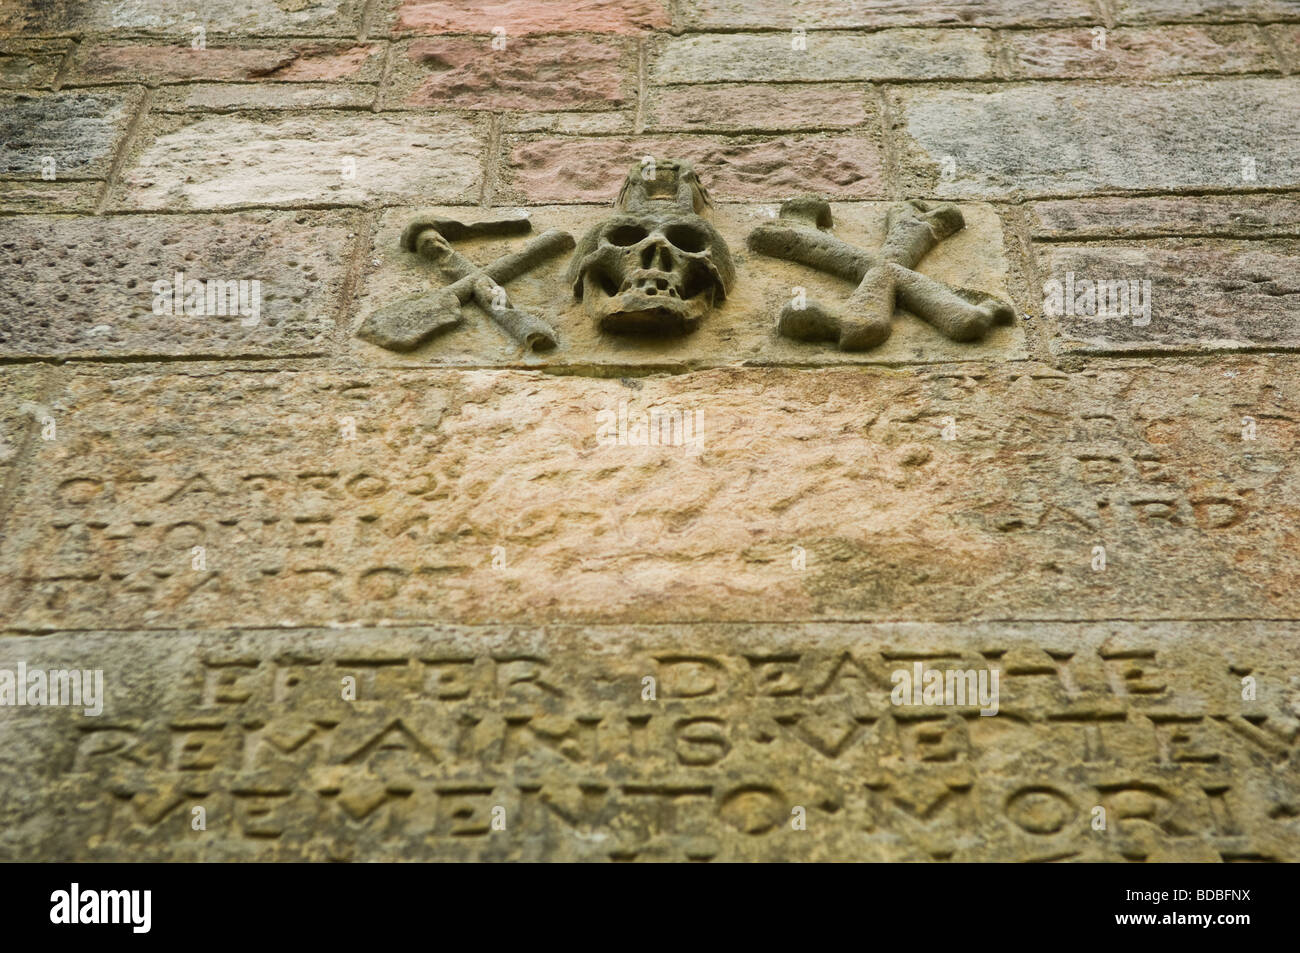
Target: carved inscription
(315, 500)
(334, 746)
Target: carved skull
(656, 266)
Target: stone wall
(357, 603)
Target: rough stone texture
(302, 159)
(521, 17)
(229, 97)
(571, 124)
(740, 329)
(1149, 11)
(1043, 140)
(1287, 38)
(30, 65)
(79, 130)
(834, 14)
(1205, 294)
(743, 108)
(747, 725)
(569, 72)
(85, 288)
(21, 417)
(1262, 216)
(768, 57)
(591, 170)
(180, 17)
(303, 526)
(41, 196)
(105, 62)
(1165, 51)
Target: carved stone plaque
(670, 278)
(1111, 743)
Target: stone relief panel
(885, 282)
(674, 278)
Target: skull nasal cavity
(656, 255)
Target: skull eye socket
(625, 234)
(688, 238)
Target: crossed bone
(889, 279)
(405, 325)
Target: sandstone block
(1142, 54)
(203, 496)
(329, 158)
(591, 170)
(547, 73)
(30, 64)
(721, 742)
(1247, 216)
(55, 196)
(834, 15)
(522, 17)
(72, 134)
(1060, 140)
(90, 287)
(181, 18)
(1198, 294)
(234, 97)
(118, 62)
(1158, 11)
(769, 57)
(744, 108)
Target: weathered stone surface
(1205, 294)
(302, 61)
(571, 124)
(77, 130)
(1287, 38)
(521, 17)
(55, 196)
(181, 17)
(22, 417)
(590, 170)
(768, 57)
(741, 328)
(1149, 11)
(1148, 53)
(363, 497)
(325, 158)
(743, 108)
(1043, 140)
(555, 735)
(30, 64)
(86, 287)
(550, 73)
(1250, 216)
(230, 97)
(834, 14)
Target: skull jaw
(637, 313)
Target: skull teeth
(649, 285)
